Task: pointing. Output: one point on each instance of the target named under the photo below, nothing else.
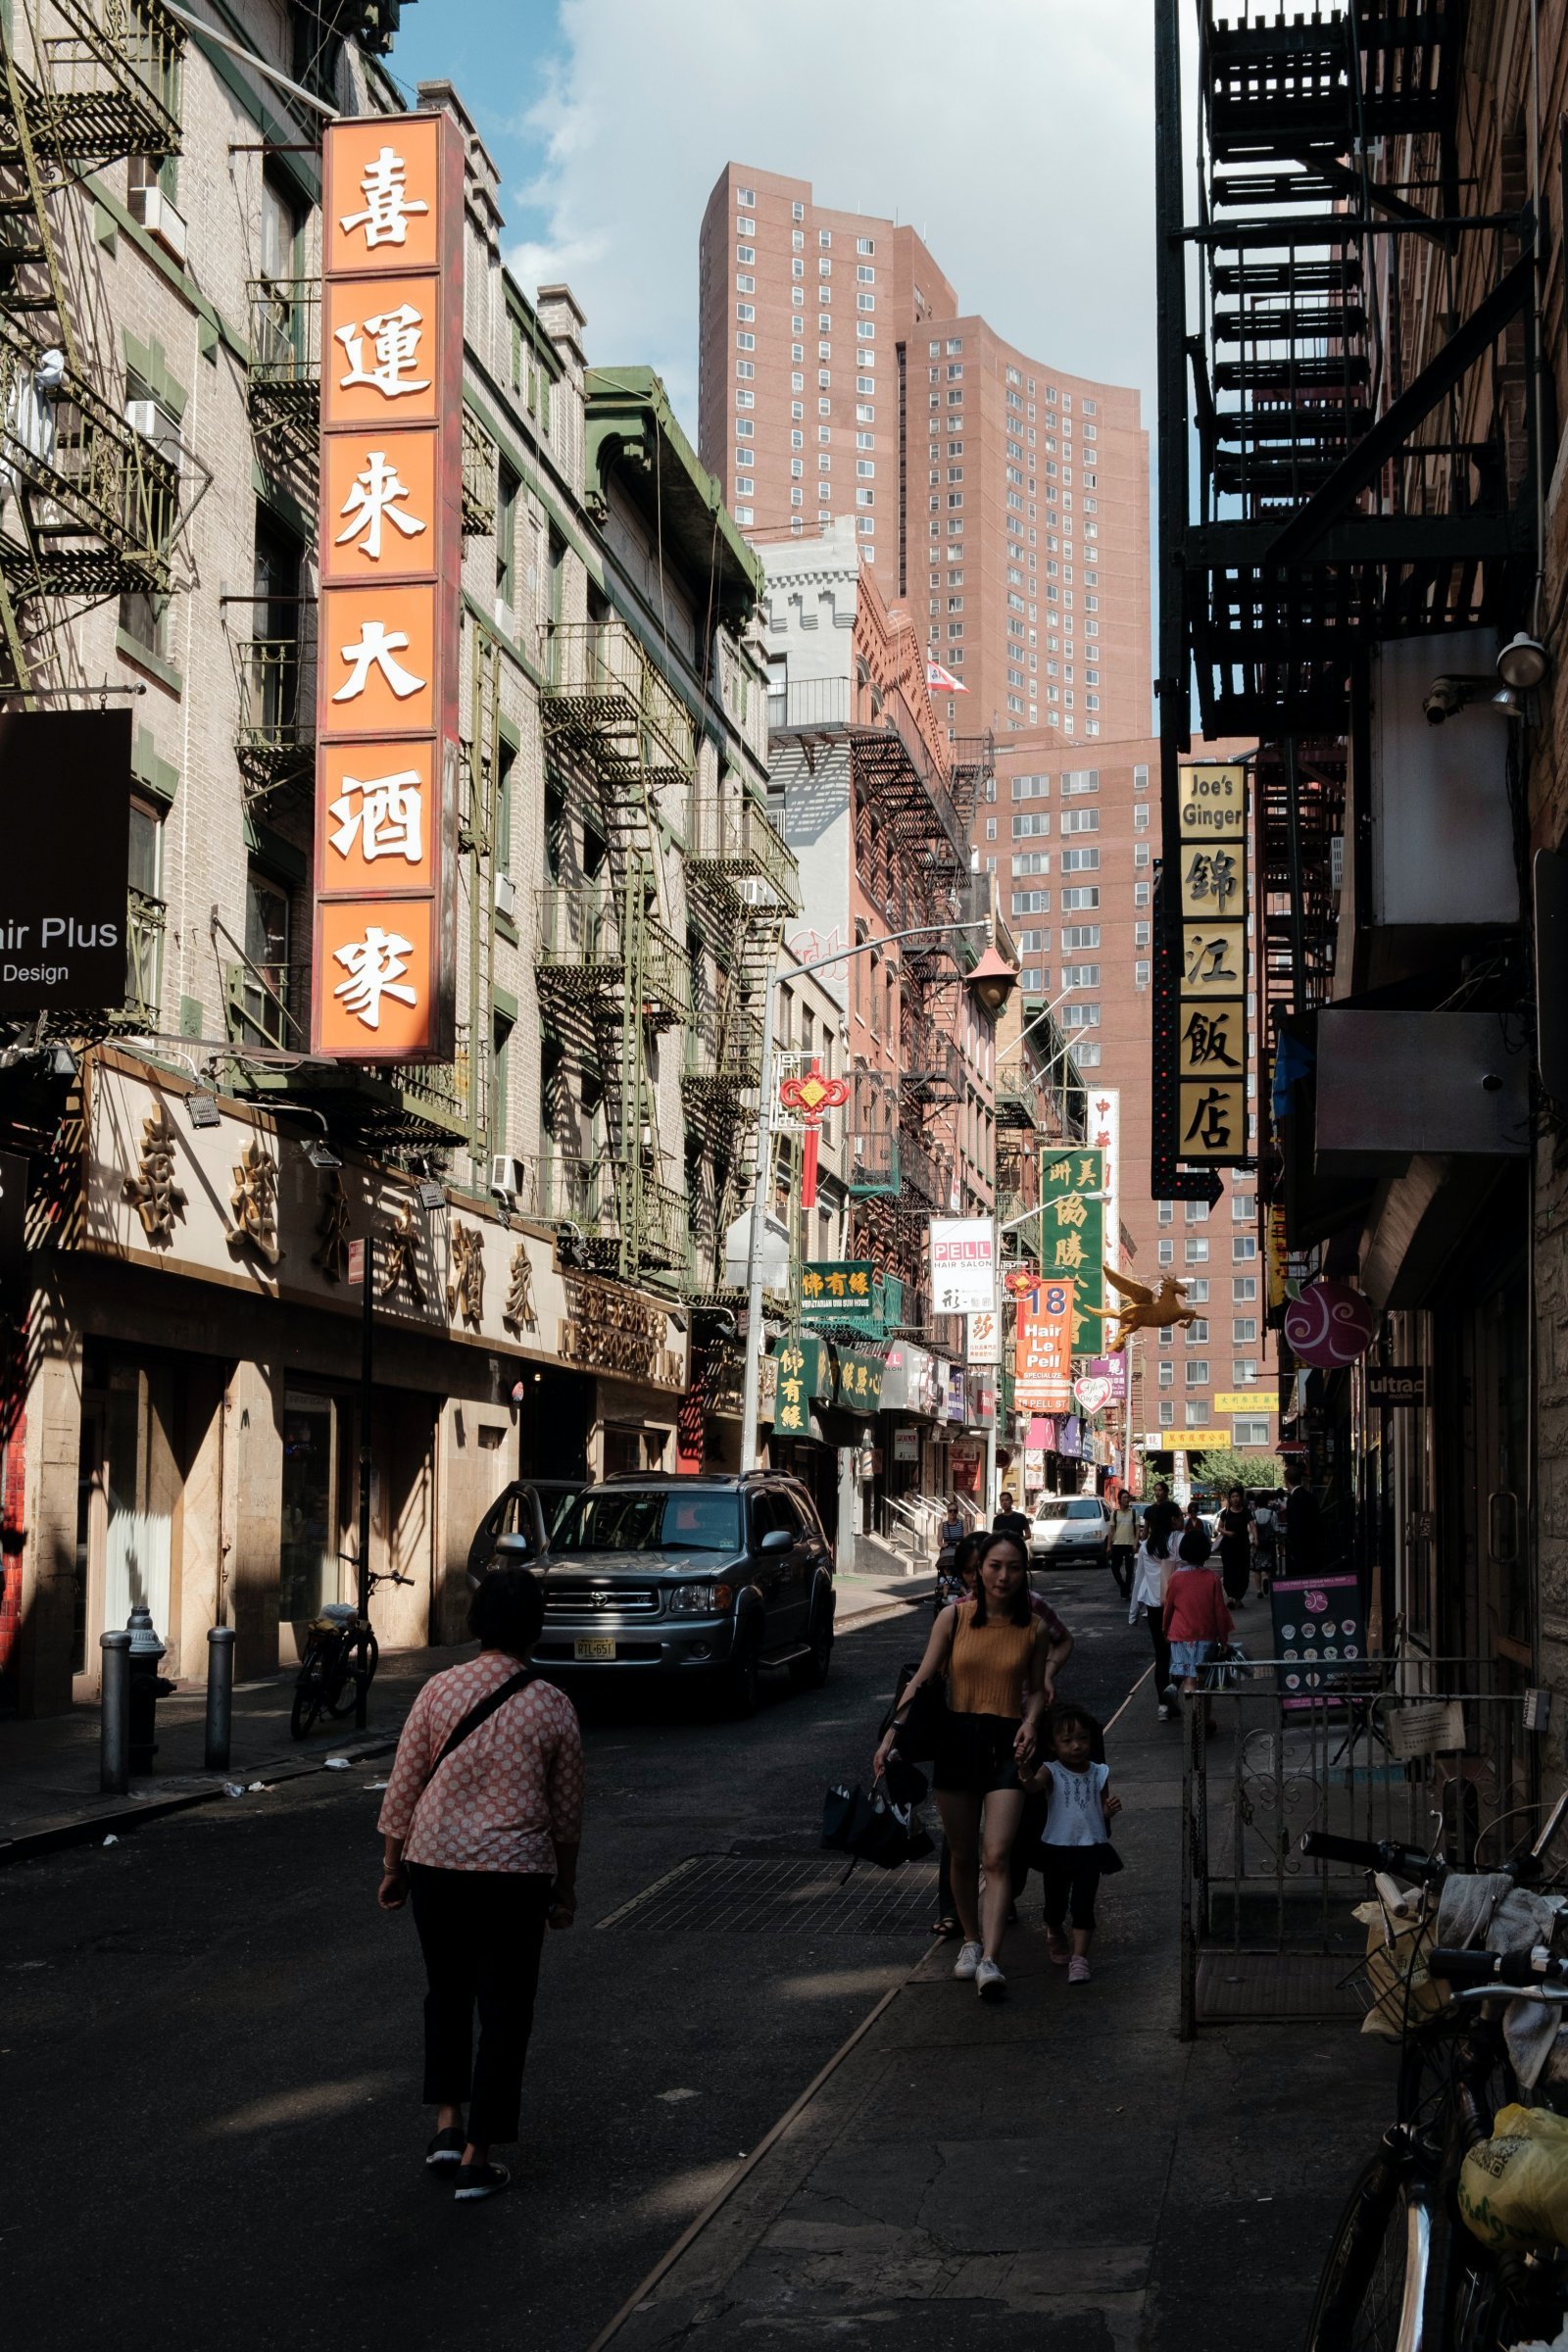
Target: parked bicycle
(341, 1653)
(1404, 2274)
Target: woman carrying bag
(992, 1651)
(1237, 1536)
(482, 1821)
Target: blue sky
(1017, 137)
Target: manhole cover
(719, 1893)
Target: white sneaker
(968, 1960)
(1167, 1714)
(989, 1982)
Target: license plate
(593, 1645)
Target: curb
(82, 1829)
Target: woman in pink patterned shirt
(482, 1821)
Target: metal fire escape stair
(88, 506)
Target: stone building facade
(549, 1209)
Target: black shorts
(975, 1755)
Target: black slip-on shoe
(446, 2150)
(476, 2180)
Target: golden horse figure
(1147, 1310)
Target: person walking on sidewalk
(1162, 1519)
(1195, 1615)
(1009, 1520)
(1236, 1538)
(1123, 1541)
(1060, 1649)
(993, 1651)
(482, 1821)
(1075, 1849)
(1150, 1574)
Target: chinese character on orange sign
(390, 535)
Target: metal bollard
(114, 1716)
(220, 1695)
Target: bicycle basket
(335, 1617)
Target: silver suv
(708, 1577)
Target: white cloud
(1017, 140)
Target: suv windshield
(1084, 1507)
(626, 1520)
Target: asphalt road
(210, 2041)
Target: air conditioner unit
(146, 417)
(507, 896)
(754, 892)
(505, 1176)
(158, 216)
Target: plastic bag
(1513, 2187)
(1403, 1993)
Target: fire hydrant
(147, 1687)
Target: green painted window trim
(277, 129)
(507, 930)
(103, 228)
(159, 778)
(190, 1017)
(145, 658)
(150, 361)
(167, 267)
(504, 1004)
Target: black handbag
(921, 1724)
(871, 1828)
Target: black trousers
(481, 1932)
(1122, 1556)
(1072, 1874)
(1155, 1620)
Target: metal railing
(730, 834)
(275, 731)
(260, 1006)
(144, 956)
(583, 942)
(103, 500)
(602, 690)
(1354, 1759)
(802, 704)
(285, 315)
(114, 79)
(478, 477)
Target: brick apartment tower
(1006, 501)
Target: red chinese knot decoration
(811, 1095)
(1330, 1325)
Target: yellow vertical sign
(1211, 1027)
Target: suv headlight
(699, 1600)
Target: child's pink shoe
(1077, 1970)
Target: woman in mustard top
(993, 1654)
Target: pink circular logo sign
(1330, 1324)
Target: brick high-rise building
(1004, 501)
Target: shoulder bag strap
(481, 1712)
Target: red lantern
(1330, 1325)
(811, 1095)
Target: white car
(1070, 1531)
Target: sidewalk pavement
(1057, 2172)
(49, 1793)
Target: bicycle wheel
(359, 1658)
(309, 1693)
(1382, 2243)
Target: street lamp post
(751, 1393)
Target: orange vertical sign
(391, 554)
(1042, 1357)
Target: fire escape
(89, 503)
(612, 971)
(1319, 493)
(743, 886)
